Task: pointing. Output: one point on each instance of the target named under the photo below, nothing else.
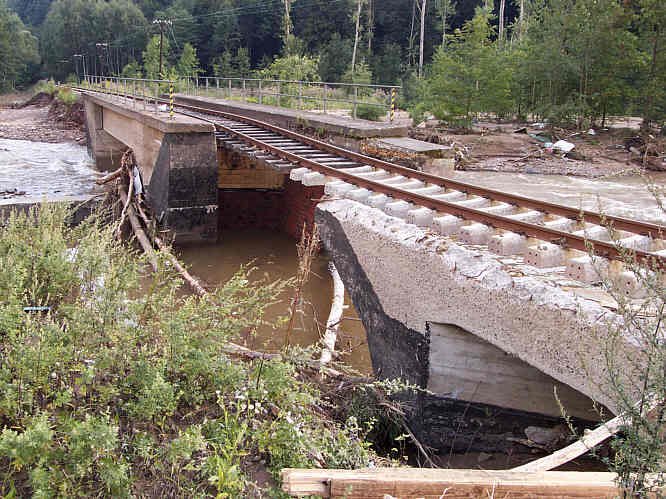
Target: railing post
(157, 91)
(279, 94)
(143, 94)
(244, 91)
(217, 85)
(355, 101)
(230, 88)
(134, 94)
(392, 104)
(261, 99)
(171, 100)
(207, 87)
(324, 97)
(300, 95)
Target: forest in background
(570, 61)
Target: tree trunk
(358, 25)
(423, 13)
(649, 102)
(521, 27)
(371, 25)
(501, 20)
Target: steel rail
(565, 239)
(652, 230)
(600, 248)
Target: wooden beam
(405, 483)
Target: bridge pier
(177, 160)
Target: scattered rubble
(545, 149)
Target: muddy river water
(52, 170)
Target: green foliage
(111, 388)
(370, 112)
(66, 96)
(188, 64)
(76, 26)
(466, 77)
(132, 70)
(335, 58)
(151, 58)
(46, 86)
(292, 67)
(18, 51)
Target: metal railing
(302, 95)
(141, 91)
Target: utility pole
(101, 61)
(358, 25)
(76, 58)
(423, 13)
(162, 23)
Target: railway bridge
(481, 297)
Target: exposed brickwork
(238, 171)
(284, 210)
(247, 208)
(300, 206)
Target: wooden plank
(405, 483)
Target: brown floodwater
(274, 256)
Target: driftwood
(406, 483)
(333, 322)
(111, 176)
(138, 230)
(586, 443)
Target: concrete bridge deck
(296, 118)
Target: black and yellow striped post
(171, 100)
(392, 104)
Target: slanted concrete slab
(294, 118)
(436, 159)
(417, 277)
(409, 145)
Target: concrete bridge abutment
(177, 160)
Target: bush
(370, 112)
(66, 96)
(46, 86)
(109, 389)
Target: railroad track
(546, 234)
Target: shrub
(370, 112)
(122, 379)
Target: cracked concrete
(418, 276)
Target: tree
(467, 78)
(652, 24)
(188, 64)
(76, 26)
(151, 58)
(445, 10)
(18, 51)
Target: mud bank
(44, 119)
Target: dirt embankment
(43, 119)
(596, 153)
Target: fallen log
(406, 483)
(111, 176)
(333, 322)
(590, 440)
(138, 230)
